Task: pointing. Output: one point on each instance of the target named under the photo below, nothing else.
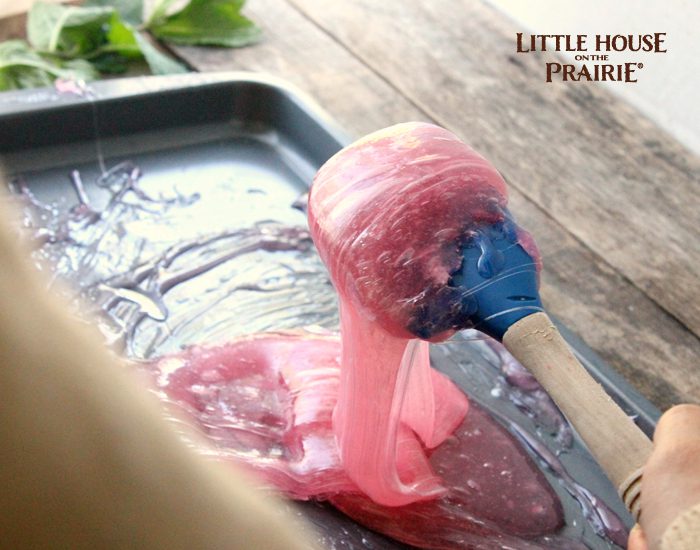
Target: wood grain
(297, 51)
(13, 27)
(614, 180)
(629, 330)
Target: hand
(671, 482)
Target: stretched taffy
(413, 226)
(389, 215)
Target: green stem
(108, 48)
(56, 71)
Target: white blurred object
(15, 7)
(666, 87)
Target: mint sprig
(105, 36)
(208, 23)
(22, 67)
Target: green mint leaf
(20, 67)
(131, 11)
(159, 62)
(69, 30)
(160, 11)
(128, 42)
(208, 23)
(122, 38)
(125, 42)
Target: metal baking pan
(256, 126)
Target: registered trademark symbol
(640, 65)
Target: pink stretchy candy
(387, 215)
(362, 423)
(265, 401)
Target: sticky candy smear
(366, 422)
(388, 215)
(266, 401)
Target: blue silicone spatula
(500, 288)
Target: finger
(637, 541)
(679, 424)
(671, 483)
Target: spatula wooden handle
(613, 438)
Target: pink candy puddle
(266, 401)
(368, 424)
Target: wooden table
(612, 200)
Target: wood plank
(651, 349)
(618, 183)
(13, 27)
(297, 51)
